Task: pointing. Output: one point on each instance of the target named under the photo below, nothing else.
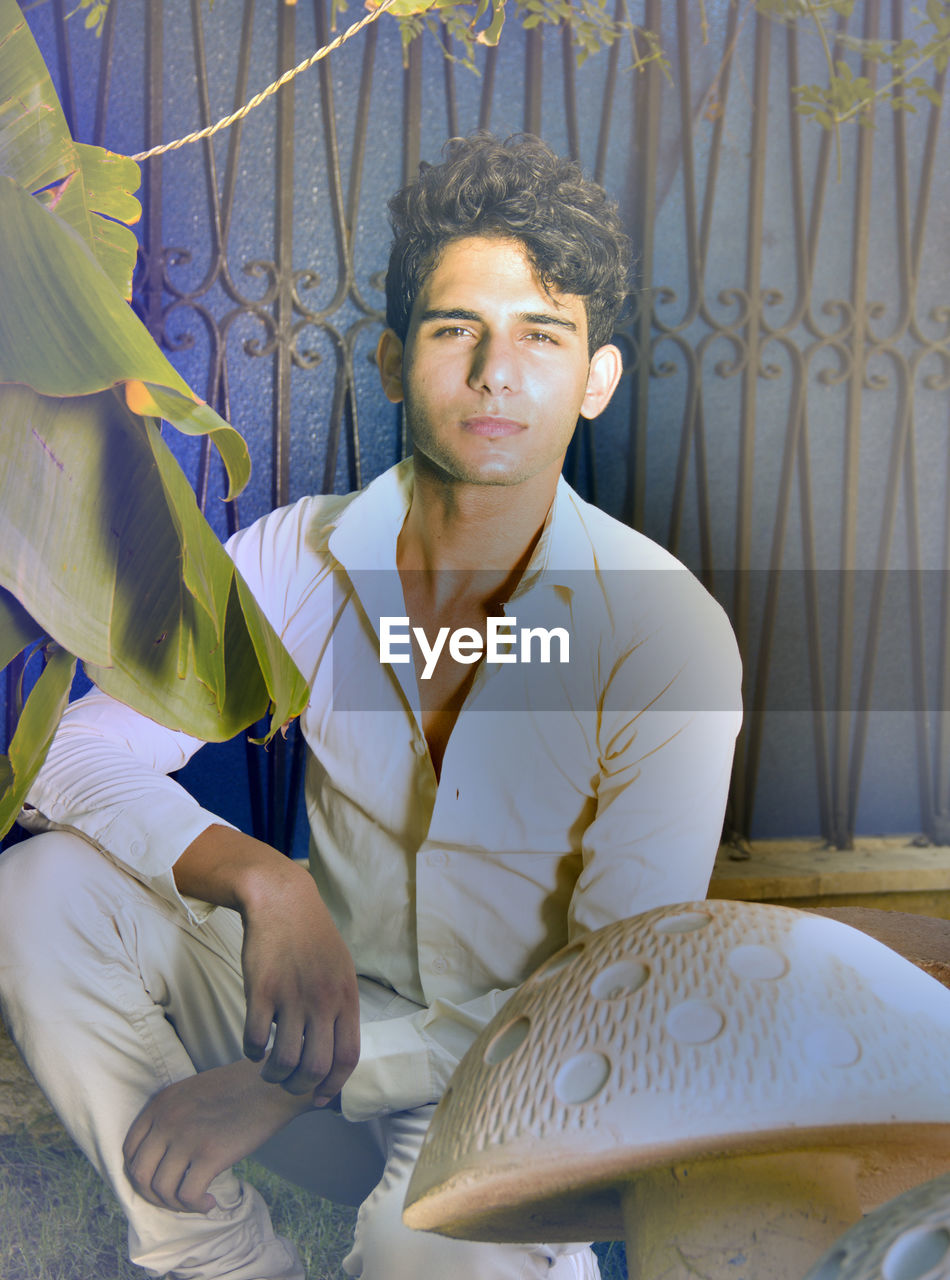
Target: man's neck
(456, 533)
(460, 554)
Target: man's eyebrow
(543, 318)
(473, 317)
(450, 313)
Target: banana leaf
(104, 555)
(89, 188)
(34, 732)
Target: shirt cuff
(399, 1069)
(129, 841)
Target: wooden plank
(883, 871)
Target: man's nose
(494, 365)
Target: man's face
(495, 370)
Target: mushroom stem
(762, 1217)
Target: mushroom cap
(689, 1032)
(906, 1239)
(923, 939)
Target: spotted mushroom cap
(905, 1239)
(687, 1032)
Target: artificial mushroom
(923, 939)
(726, 1084)
(906, 1239)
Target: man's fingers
(346, 1053)
(193, 1194)
(316, 1061)
(169, 1183)
(284, 1058)
(142, 1166)
(257, 1025)
(138, 1131)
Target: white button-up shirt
(571, 794)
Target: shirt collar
(564, 547)
(367, 530)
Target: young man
(471, 809)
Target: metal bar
(104, 81)
(488, 88)
(412, 112)
(448, 75)
(844, 790)
(64, 65)
(684, 82)
(759, 700)
(908, 276)
(152, 186)
(942, 752)
(610, 89)
(928, 814)
(715, 147)
(211, 182)
(742, 781)
(533, 68)
(570, 92)
(876, 611)
(813, 628)
(283, 255)
(643, 169)
(360, 133)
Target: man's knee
(50, 883)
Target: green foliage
(469, 23)
(104, 556)
(849, 96)
(845, 97)
(96, 12)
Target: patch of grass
(59, 1222)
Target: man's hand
(195, 1129)
(298, 973)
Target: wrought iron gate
(782, 424)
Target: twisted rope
(226, 121)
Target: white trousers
(111, 994)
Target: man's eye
(452, 331)
(542, 335)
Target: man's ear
(389, 351)
(606, 366)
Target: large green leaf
(58, 551)
(66, 339)
(17, 628)
(34, 733)
(90, 188)
(134, 582)
(102, 546)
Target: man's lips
(489, 425)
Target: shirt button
(439, 965)
(419, 745)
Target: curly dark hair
(518, 189)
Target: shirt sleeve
(669, 717)
(408, 1060)
(104, 778)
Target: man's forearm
(228, 868)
